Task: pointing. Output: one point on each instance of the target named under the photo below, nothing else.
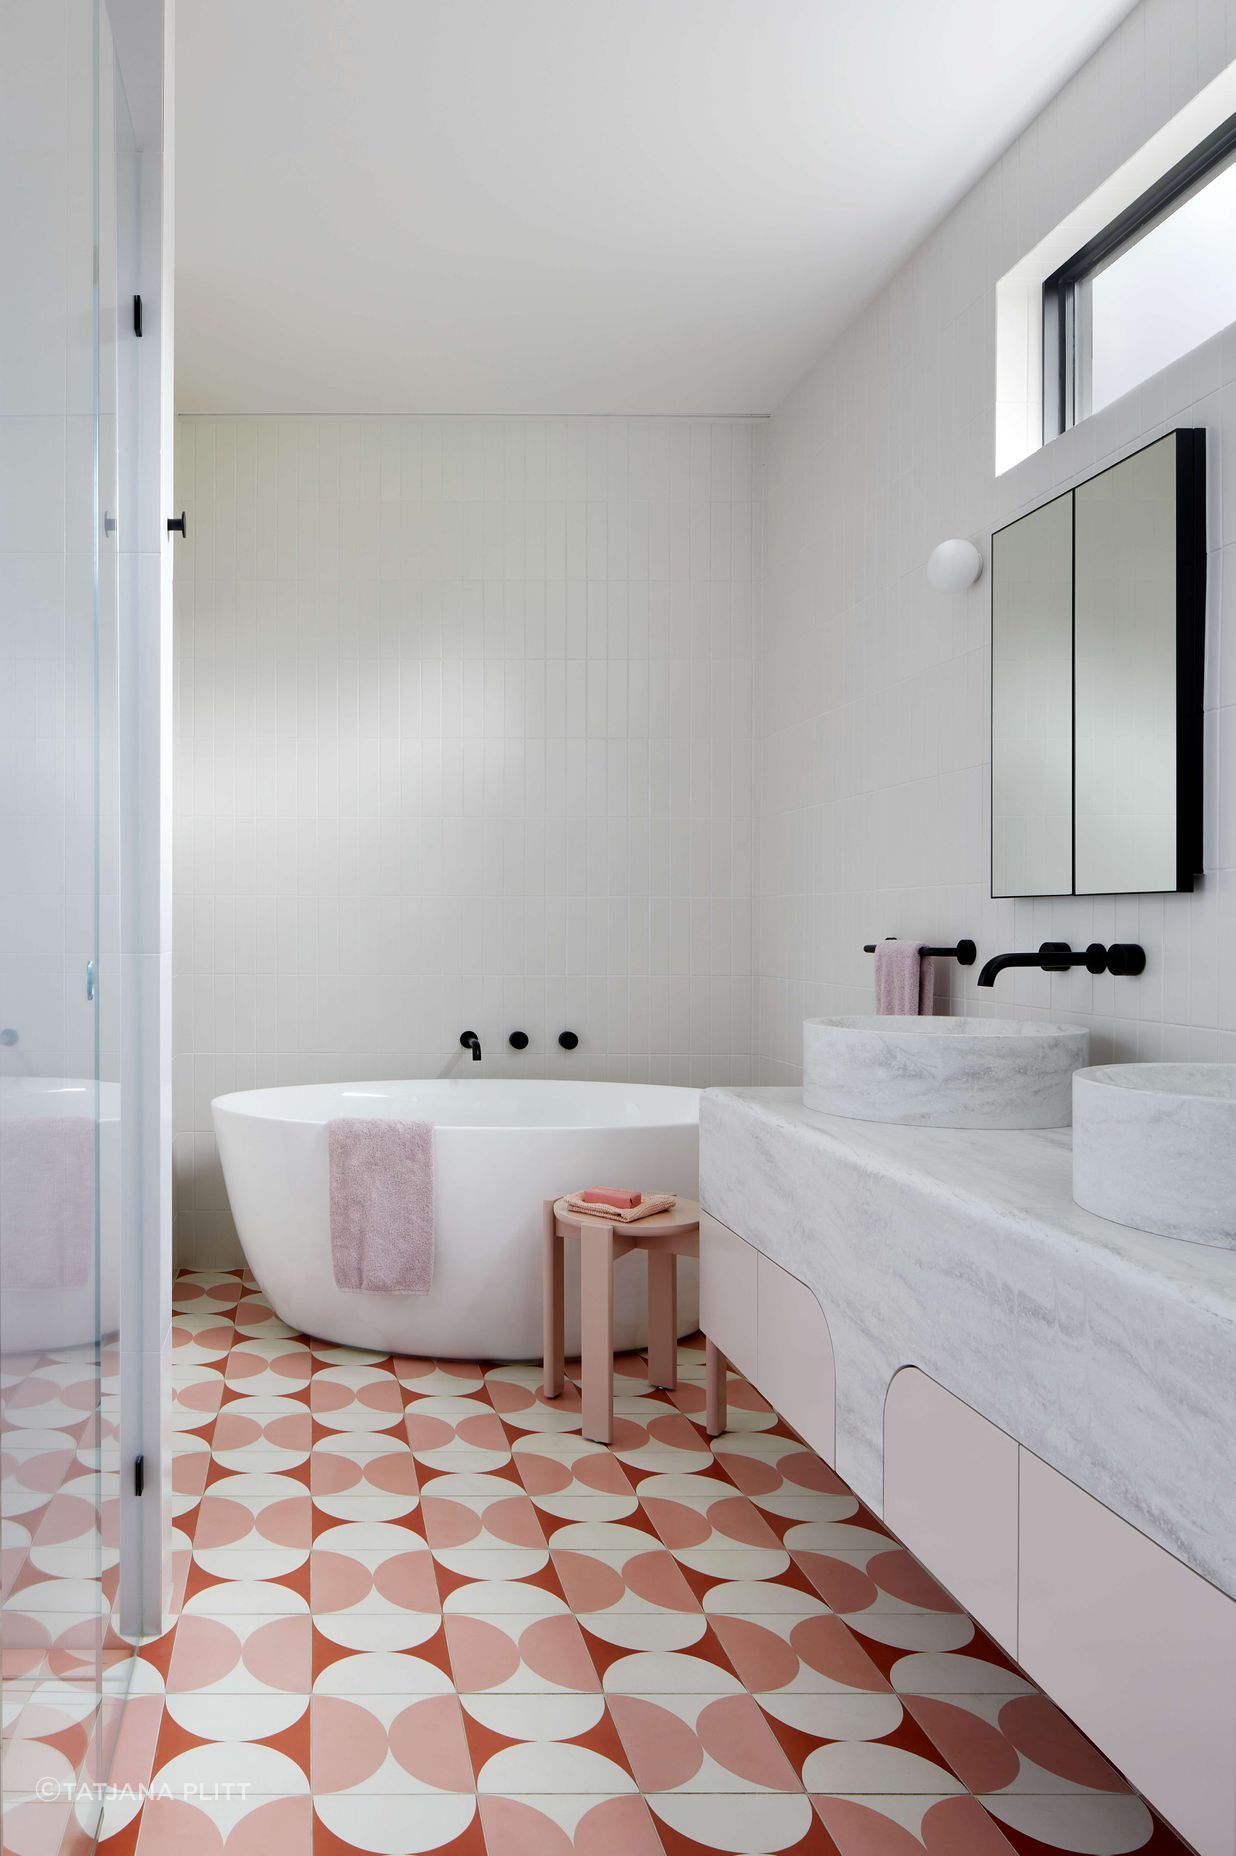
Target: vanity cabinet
(1073, 1492)
(770, 1326)
(1133, 1644)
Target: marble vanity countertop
(1109, 1352)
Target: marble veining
(1154, 1146)
(943, 1072)
(1106, 1351)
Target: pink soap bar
(621, 1201)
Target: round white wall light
(954, 566)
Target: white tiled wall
(464, 741)
(48, 725)
(872, 756)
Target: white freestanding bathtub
(501, 1148)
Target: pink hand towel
(381, 1205)
(47, 1223)
(621, 1201)
(905, 980)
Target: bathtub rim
(247, 1103)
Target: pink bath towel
(381, 1205)
(47, 1223)
(905, 979)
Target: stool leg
(596, 1280)
(715, 1416)
(663, 1318)
(555, 1329)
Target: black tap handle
(1057, 956)
(568, 1040)
(518, 1040)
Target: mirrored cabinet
(1097, 660)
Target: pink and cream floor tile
(422, 1613)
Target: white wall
(463, 741)
(872, 758)
(47, 718)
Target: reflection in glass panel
(1032, 704)
(1126, 675)
(66, 420)
(51, 1630)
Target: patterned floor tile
(775, 1824)
(701, 1742)
(356, 1398)
(456, 1434)
(464, 1509)
(572, 1479)
(389, 1743)
(631, 1592)
(521, 1652)
(421, 1612)
(201, 1339)
(445, 1823)
(199, 1292)
(568, 1824)
(267, 1434)
(268, 1367)
(911, 1825)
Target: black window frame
(1060, 290)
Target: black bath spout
(471, 1042)
(998, 962)
(1125, 958)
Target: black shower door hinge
(139, 1475)
(137, 315)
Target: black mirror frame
(1190, 655)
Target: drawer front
(1137, 1647)
(950, 1492)
(795, 1370)
(728, 1288)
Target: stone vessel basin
(943, 1072)
(1154, 1146)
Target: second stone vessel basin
(1154, 1146)
(943, 1072)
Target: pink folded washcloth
(583, 1207)
(621, 1201)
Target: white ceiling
(571, 205)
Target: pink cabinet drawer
(1137, 1647)
(950, 1492)
(795, 1370)
(728, 1293)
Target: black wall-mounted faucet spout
(1122, 957)
(471, 1042)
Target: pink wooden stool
(666, 1236)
